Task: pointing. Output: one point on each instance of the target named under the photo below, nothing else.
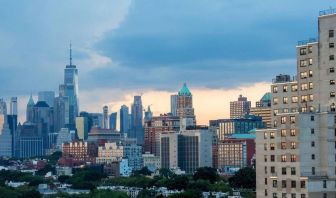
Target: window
(293, 158)
(265, 159)
(311, 85)
(304, 98)
(313, 170)
(293, 145)
(310, 61)
(303, 75)
(275, 183)
(283, 145)
(292, 132)
(303, 51)
(272, 135)
(285, 88)
(292, 119)
(331, 70)
(332, 107)
(311, 97)
(285, 110)
(332, 82)
(303, 184)
(285, 100)
(313, 157)
(293, 171)
(310, 73)
(294, 99)
(312, 144)
(272, 158)
(312, 118)
(283, 158)
(303, 195)
(265, 135)
(266, 169)
(272, 169)
(265, 181)
(303, 63)
(324, 184)
(283, 185)
(275, 101)
(310, 49)
(293, 195)
(311, 109)
(272, 146)
(275, 195)
(294, 87)
(265, 147)
(331, 57)
(275, 89)
(304, 86)
(293, 184)
(332, 94)
(283, 120)
(331, 33)
(284, 171)
(312, 131)
(283, 132)
(331, 45)
(266, 193)
(294, 110)
(276, 111)
(303, 109)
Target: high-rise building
(124, 120)
(70, 88)
(173, 104)
(133, 153)
(79, 152)
(154, 127)
(29, 109)
(13, 106)
(113, 121)
(61, 112)
(296, 157)
(187, 150)
(97, 119)
(137, 130)
(185, 108)
(47, 96)
(263, 109)
(5, 134)
(105, 118)
(148, 114)
(110, 152)
(239, 108)
(82, 126)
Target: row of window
(285, 88)
(306, 62)
(306, 74)
(303, 50)
(284, 183)
(284, 195)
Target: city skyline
(104, 70)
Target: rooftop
(307, 41)
(329, 11)
(184, 91)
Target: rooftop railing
(327, 12)
(305, 42)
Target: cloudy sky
(221, 48)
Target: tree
(206, 173)
(179, 182)
(63, 178)
(187, 194)
(165, 172)
(244, 178)
(146, 193)
(143, 171)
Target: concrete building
(79, 152)
(173, 104)
(297, 156)
(185, 110)
(263, 109)
(5, 133)
(151, 161)
(61, 112)
(187, 150)
(105, 118)
(98, 135)
(137, 130)
(63, 137)
(124, 120)
(154, 127)
(82, 126)
(133, 153)
(13, 110)
(239, 108)
(110, 152)
(113, 121)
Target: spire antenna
(70, 54)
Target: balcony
(317, 175)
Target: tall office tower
(82, 126)
(188, 150)
(148, 114)
(173, 104)
(124, 120)
(239, 108)
(137, 130)
(97, 119)
(185, 108)
(156, 126)
(29, 109)
(43, 114)
(113, 121)
(47, 96)
(71, 90)
(105, 118)
(13, 106)
(263, 109)
(297, 156)
(61, 112)
(63, 136)
(5, 134)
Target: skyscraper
(29, 109)
(185, 108)
(124, 120)
(137, 130)
(113, 121)
(47, 96)
(239, 108)
(71, 90)
(263, 109)
(82, 126)
(13, 106)
(61, 112)
(296, 157)
(105, 118)
(173, 104)
(5, 134)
